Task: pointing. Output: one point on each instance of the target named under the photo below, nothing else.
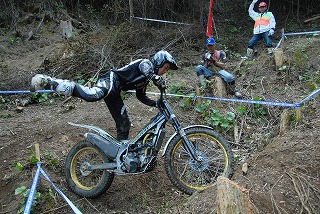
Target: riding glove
(159, 81)
(208, 56)
(271, 32)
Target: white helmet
(162, 57)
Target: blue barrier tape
(279, 43)
(302, 33)
(26, 92)
(290, 105)
(293, 105)
(74, 208)
(283, 35)
(310, 96)
(28, 206)
(33, 188)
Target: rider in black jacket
(136, 75)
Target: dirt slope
(283, 175)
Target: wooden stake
(198, 100)
(298, 112)
(311, 19)
(131, 10)
(37, 148)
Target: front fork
(189, 146)
(186, 142)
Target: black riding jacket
(137, 75)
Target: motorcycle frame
(156, 125)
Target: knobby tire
(189, 175)
(89, 184)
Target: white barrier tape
(158, 20)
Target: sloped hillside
(283, 174)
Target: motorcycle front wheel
(84, 182)
(189, 175)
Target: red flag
(209, 23)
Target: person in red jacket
(264, 27)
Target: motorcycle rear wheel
(190, 175)
(89, 184)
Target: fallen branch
(311, 19)
(31, 33)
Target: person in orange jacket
(264, 27)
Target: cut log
(284, 122)
(278, 57)
(231, 198)
(66, 28)
(219, 89)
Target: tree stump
(278, 57)
(66, 28)
(231, 198)
(219, 89)
(286, 117)
(284, 121)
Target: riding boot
(65, 87)
(41, 81)
(202, 80)
(249, 53)
(270, 51)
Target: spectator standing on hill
(264, 27)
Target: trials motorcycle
(194, 156)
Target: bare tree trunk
(298, 6)
(131, 10)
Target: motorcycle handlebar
(162, 94)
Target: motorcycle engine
(137, 157)
(131, 162)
